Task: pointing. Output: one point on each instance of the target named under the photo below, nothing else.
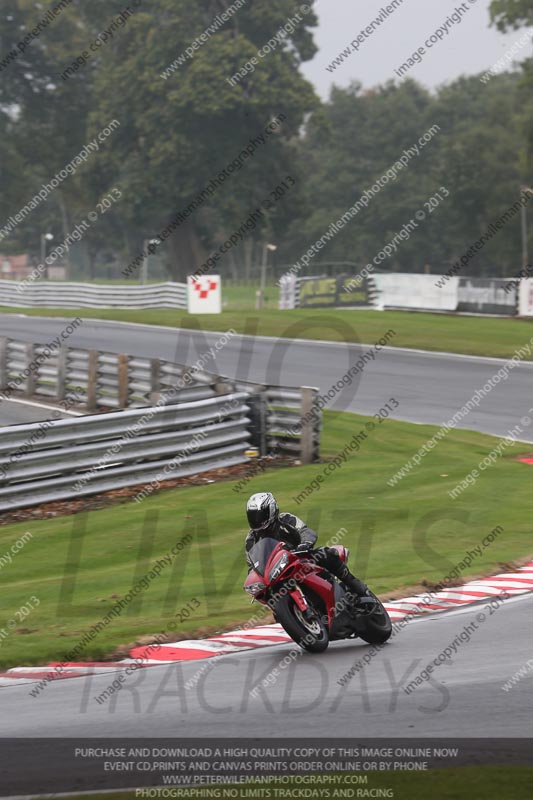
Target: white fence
(54, 294)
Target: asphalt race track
(16, 412)
(429, 387)
(464, 698)
(464, 694)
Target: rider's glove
(304, 547)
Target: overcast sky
(471, 46)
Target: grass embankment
(439, 332)
(79, 566)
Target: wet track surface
(429, 387)
(464, 697)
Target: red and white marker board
(204, 295)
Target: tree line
(162, 75)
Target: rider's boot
(355, 587)
(353, 584)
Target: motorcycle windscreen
(261, 552)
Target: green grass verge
(465, 783)
(439, 332)
(78, 566)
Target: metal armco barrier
(88, 455)
(97, 381)
(68, 458)
(170, 414)
(293, 422)
(55, 294)
(101, 380)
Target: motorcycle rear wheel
(378, 625)
(311, 635)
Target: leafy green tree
(47, 118)
(178, 133)
(511, 13)
(475, 156)
(184, 118)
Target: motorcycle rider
(265, 520)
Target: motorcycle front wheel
(310, 634)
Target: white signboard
(204, 295)
(525, 308)
(287, 291)
(406, 290)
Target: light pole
(524, 238)
(260, 295)
(149, 249)
(45, 237)
(525, 249)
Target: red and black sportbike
(308, 602)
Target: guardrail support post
(308, 425)
(4, 372)
(61, 372)
(92, 379)
(30, 380)
(155, 380)
(257, 404)
(123, 381)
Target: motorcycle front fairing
(261, 553)
(273, 563)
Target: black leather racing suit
(292, 530)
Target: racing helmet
(262, 510)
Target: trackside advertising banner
(343, 290)
(419, 292)
(487, 296)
